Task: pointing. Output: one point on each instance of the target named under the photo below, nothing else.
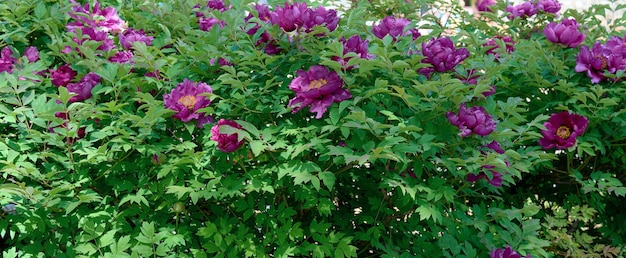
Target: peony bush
(242, 129)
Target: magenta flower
(80, 132)
(290, 16)
(523, 10)
(473, 120)
(95, 35)
(485, 5)
(206, 24)
(106, 19)
(320, 17)
(62, 75)
(131, 35)
(265, 41)
(562, 129)
(601, 58)
(83, 87)
(506, 253)
(319, 88)
(6, 60)
(471, 78)
(354, 44)
(32, 54)
(186, 99)
(565, 33)
(496, 177)
(549, 6)
(217, 5)
(226, 142)
(442, 55)
(122, 57)
(394, 27)
(491, 43)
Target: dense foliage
(183, 128)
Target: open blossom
(394, 27)
(300, 17)
(217, 5)
(131, 36)
(226, 142)
(265, 41)
(106, 19)
(506, 253)
(206, 24)
(523, 10)
(354, 44)
(62, 75)
(32, 54)
(600, 59)
(95, 35)
(485, 5)
(473, 120)
(565, 33)
(186, 99)
(122, 57)
(491, 43)
(319, 88)
(442, 55)
(83, 87)
(562, 129)
(549, 6)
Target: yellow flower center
(188, 101)
(563, 132)
(316, 84)
(604, 61)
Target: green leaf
(328, 178)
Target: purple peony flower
(394, 27)
(473, 120)
(485, 5)
(442, 55)
(491, 43)
(95, 35)
(6, 60)
(506, 253)
(83, 87)
(594, 61)
(496, 177)
(549, 6)
(320, 17)
(290, 16)
(354, 44)
(62, 75)
(206, 24)
(265, 41)
(565, 33)
(217, 5)
(562, 129)
(226, 142)
(131, 35)
(32, 54)
(122, 57)
(523, 10)
(319, 88)
(495, 146)
(65, 116)
(106, 19)
(186, 99)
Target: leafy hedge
(387, 129)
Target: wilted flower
(32, 54)
(485, 5)
(121, 57)
(496, 177)
(6, 60)
(442, 55)
(491, 43)
(319, 88)
(562, 129)
(62, 75)
(354, 44)
(106, 19)
(226, 142)
(131, 35)
(549, 6)
(186, 99)
(565, 33)
(506, 253)
(471, 78)
(290, 16)
(523, 10)
(394, 27)
(83, 87)
(473, 120)
(206, 24)
(65, 116)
